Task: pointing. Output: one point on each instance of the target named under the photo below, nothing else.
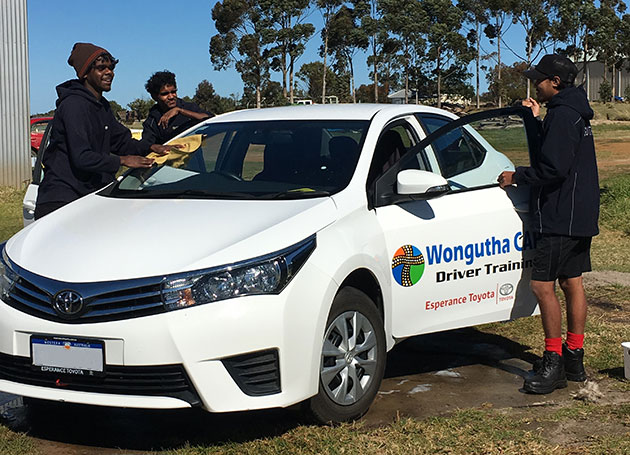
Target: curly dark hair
(159, 80)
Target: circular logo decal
(506, 289)
(407, 265)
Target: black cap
(553, 65)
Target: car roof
(40, 119)
(325, 112)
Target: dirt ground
(426, 376)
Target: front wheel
(352, 360)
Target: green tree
(499, 13)
(328, 9)
(346, 39)
(512, 86)
(370, 16)
(311, 75)
(574, 24)
(448, 50)
(206, 98)
(116, 109)
(285, 20)
(533, 17)
(609, 37)
(244, 40)
(476, 14)
(141, 107)
(605, 91)
(407, 22)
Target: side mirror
(416, 182)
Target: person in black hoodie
(564, 208)
(87, 144)
(170, 115)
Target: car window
(257, 159)
(395, 141)
(39, 127)
(456, 151)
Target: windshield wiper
(295, 194)
(183, 194)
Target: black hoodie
(85, 139)
(563, 173)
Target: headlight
(264, 275)
(8, 277)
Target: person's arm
(181, 111)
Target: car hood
(99, 239)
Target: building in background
(15, 148)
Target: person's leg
(573, 289)
(549, 305)
(573, 351)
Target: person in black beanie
(88, 144)
(565, 208)
(170, 115)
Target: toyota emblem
(68, 303)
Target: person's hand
(162, 150)
(506, 178)
(135, 161)
(533, 105)
(163, 122)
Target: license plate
(71, 356)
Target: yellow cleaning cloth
(185, 145)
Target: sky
(146, 36)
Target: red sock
(554, 345)
(575, 341)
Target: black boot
(549, 377)
(574, 363)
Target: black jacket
(85, 139)
(563, 174)
(152, 133)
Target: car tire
(352, 362)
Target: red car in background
(38, 126)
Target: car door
(461, 252)
(30, 197)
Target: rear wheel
(352, 360)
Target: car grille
(163, 380)
(106, 301)
(257, 373)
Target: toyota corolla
(273, 258)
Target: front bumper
(200, 349)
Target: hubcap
(349, 358)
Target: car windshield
(253, 160)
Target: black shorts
(559, 256)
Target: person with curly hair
(170, 115)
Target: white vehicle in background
(273, 260)
(30, 197)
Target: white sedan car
(273, 260)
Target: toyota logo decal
(68, 303)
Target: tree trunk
(354, 91)
(477, 62)
(325, 68)
(499, 87)
(284, 73)
(375, 70)
(439, 79)
(291, 66)
(406, 79)
(529, 61)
